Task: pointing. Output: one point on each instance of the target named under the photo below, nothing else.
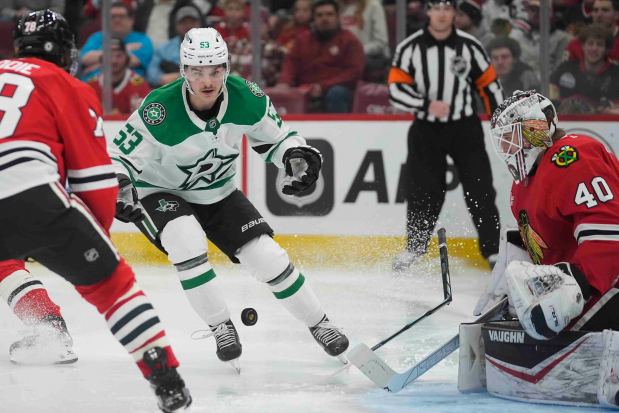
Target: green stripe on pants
(292, 289)
(199, 280)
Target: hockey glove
(302, 165)
(128, 208)
(545, 297)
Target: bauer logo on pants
(318, 201)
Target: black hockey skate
(229, 347)
(169, 387)
(331, 338)
(50, 343)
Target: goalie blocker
(573, 368)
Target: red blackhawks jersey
(51, 131)
(127, 95)
(568, 210)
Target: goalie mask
(203, 47)
(522, 128)
(46, 34)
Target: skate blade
(235, 364)
(38, 357)
(342, 358)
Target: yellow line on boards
(313, 250)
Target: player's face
(502, 60)
(594, 50)
(441, 17)
(206, 81)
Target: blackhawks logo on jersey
(206, 171)
(254, 88)
(532, 240)
(153, 114)
(566, 156)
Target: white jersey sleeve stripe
(596, 232)
(92, 171)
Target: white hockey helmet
(203, 47)
(522, 128)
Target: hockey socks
(25, 295)
(135, 324)
(198, 281)
(294, 292)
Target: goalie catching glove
(302, 165)
(128, 208)
(546, 297)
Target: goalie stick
(374, 368)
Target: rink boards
(357, 211)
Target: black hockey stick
(447, 296)
(375, 368)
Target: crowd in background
(333, 55)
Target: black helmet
(46, 34)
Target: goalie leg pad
(471, 359)
(544, 297)
(608, 387)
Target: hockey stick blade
(375, 369)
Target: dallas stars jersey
(164, 146)
(569, 209)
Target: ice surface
(283, 369)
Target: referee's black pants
(428, 145)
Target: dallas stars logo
(153, 113)
(207, 170)
(165, 206)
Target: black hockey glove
(128, 208)
(302, 165)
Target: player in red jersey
(565, 199)
(51, 134)
(50, 341)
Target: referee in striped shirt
(434, 73)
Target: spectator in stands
(493, 10)
(590, 86)
(606, 13)
(468, 19)
(164, 67)
(366, 20)
(15, 9)
(152, 17)
(137, 44)
(526, 33)
(326, 62)
(129, 88)
(236, 32)
(300, 22)
(513, 73)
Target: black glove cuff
(579, 276)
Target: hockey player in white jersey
(175, 159)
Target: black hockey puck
(249, 316)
